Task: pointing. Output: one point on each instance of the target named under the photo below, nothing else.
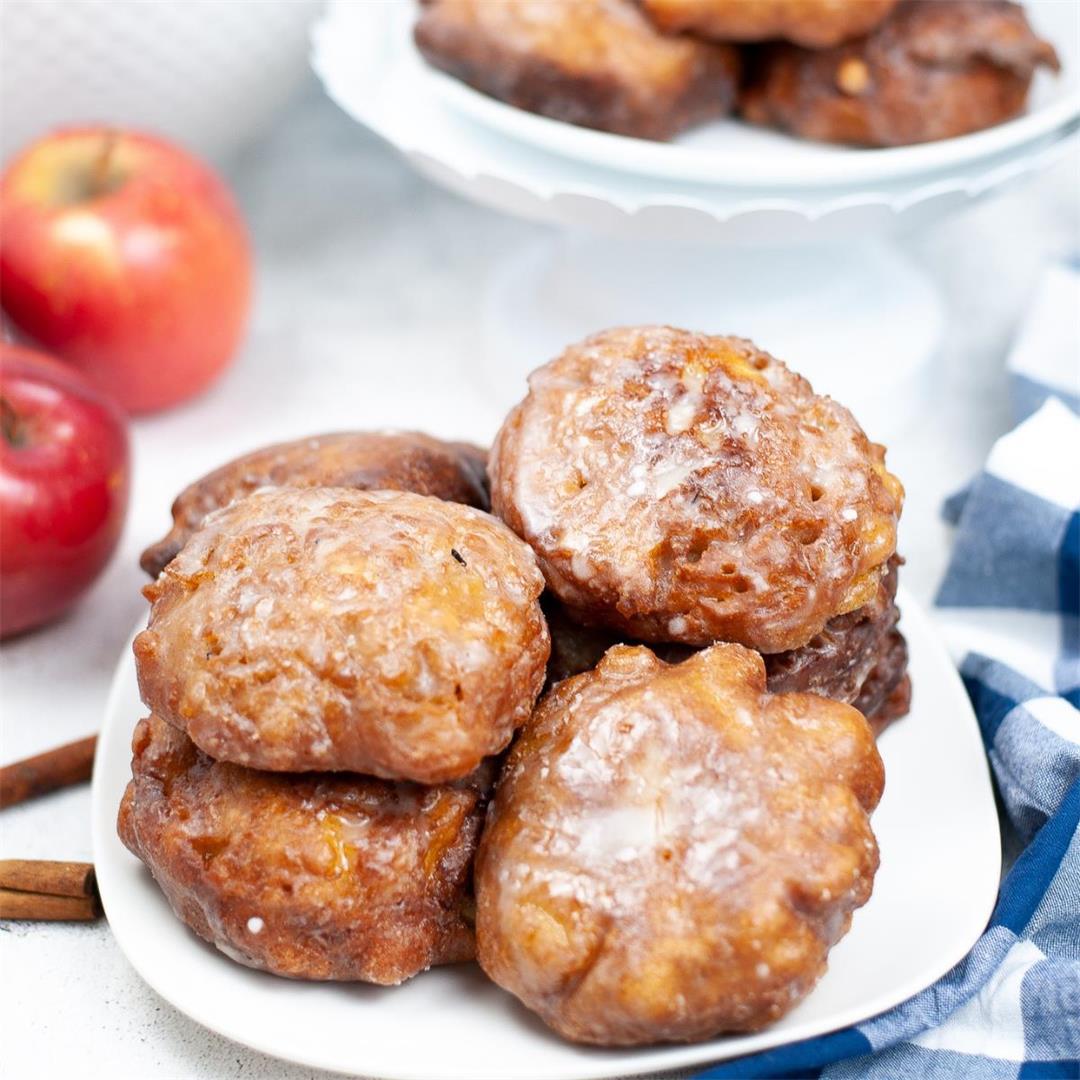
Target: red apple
(127, 257)
(63, 486)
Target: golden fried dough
(312, 876)
(685, 488)
(672, 851)
(932, 70)
(327, 628)
(596, 63)
(813, 23)
(398, 461)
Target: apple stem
(14, 433)
(99, 177)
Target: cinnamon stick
(27, 779)
(33, 905)
(46, 876)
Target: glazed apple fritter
(859, 658)
(576, 648)
(312, 876)
(885, 697)
(596, 63)
(814, 23)
(678, 487)
(932, 70)
(369, 460)
(672, 851)
(331, 629)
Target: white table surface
(369, 289)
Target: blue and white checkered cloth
(1010, 609)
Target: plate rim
(648, 1059)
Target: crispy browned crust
(595, 63)
(313, 877)
(815, 24)
(934, 69)
(681, 487)
(332, 629)
(367, 460)
(672, 851)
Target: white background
(369, 292)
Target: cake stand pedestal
(860, 321)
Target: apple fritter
(331, 629)
(368, 460)
(816, 24)
(595, 63)
(672, 851)
(310, 876)
(885, 696)
(678, 487)
(859, 658)
(932, 70)
(576, 648)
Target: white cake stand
(728, 229)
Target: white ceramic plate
(940, 862)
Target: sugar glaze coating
(325, 628)
(672, 851)
(685, 488)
